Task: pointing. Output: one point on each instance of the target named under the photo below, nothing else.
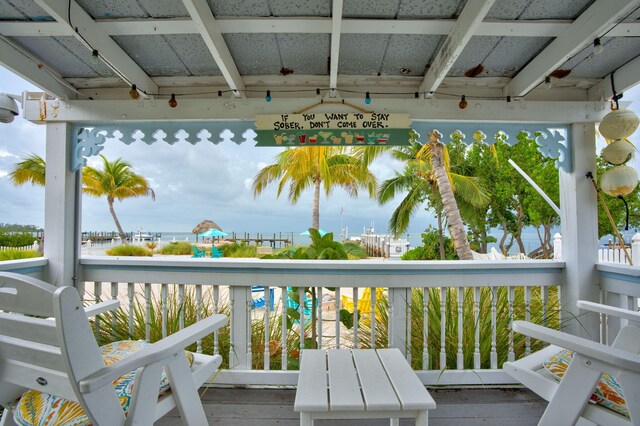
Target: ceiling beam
(592, 23)
(624, 78)
(464, 28)
(209, 30)
(85, 29)
(336, 31)
(17, 61)
(228, 25)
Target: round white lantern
(619, 180)
(619, 124)
(618, 152)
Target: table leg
(306, 419)
(423, 418)
(394, 422)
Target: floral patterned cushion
(42, 409)
(608, 392)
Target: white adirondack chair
(46, 344)
(569, 399)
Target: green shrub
(430, 248)
(18, 254)
(355, 250)
(177, 248)
(239, 250)
(128, 251)
(16, 240)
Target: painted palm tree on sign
(116, 181)
(31, 169)
(317, 167)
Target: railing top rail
(13, 265)
(618, 268)
(358, 273)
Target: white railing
(384, 245)
(33, 267)
(479, 298)
(620, 287)
(617, 254)
(34, 246)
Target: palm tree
(315, 167)
(116, 181)
(31, 169)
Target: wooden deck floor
(468, 407)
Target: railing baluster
(267, 302)
(249, 335)
(285, 353)
(425, 327)
(373, 316)
(338, 307)
(443, 325)
(301, 306)
(216, 296)
(181, 306)
(114, 296)
(320, 317)
(163, 292)
(493, 360)
(131, 295)
(460, 355)
(147, 312)
(511, 295)
(476, 319)
(409, 295)
(97, 298)
(544, 295)
(559, 302)
(527, 317)
(355, 317)
(232, 326)
(198, 314)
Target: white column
(240, 324)
(579, 221)
(61, 207)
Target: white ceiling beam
(21, 64)
(209, 30)
(624, 78)
(470, 18)
(228, 25)
(592, 23)
(99, 40)
(336, 31)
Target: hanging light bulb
(463, 102)
(598, 48)
(172, 102)
(95, 57)
(547, 82)
(133, 93)
(367, 99)
(268, 97)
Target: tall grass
(11, 254)
(177, 248)
(239, 250)
(468, 325)
(128, 250)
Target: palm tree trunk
(458, 233)
(440, 235)
(315, 214)
(123, 237)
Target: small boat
(141, 237)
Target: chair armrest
(607, 354)
(101, 308)
(155, 352)
(609, 310)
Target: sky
(197, 182)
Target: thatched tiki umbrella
(204, 226)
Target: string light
(416, 95)
(463, 102)
(133, 93)
(547, 83)
(318, 96)
(95, 57)
(268, 97)
(367, 99)
(598, 48)
(219, 93)
(172, 102)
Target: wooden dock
(260, 241)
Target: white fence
(384, 245)
(34, 246)
(617, 254)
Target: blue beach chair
(216, 252)
(197, 252)
(259, 302)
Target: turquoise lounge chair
(197, 252)
(259, 302)
(216, 252)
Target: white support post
(579, 223)
(398, 319)
(557, 246)
(61, 206)
(239, 319)
(635, 249)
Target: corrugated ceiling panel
(66, 55)
(133, 8)
(193, 53)
(537, 9)
(362, 54)
(617, 52)
(255, 54)
(240, 8)
(370, 8)
(153, 54)
(300, 8)
(22, 10)
(435, 9)
(476, 52)
(409, 54)
(305, 53)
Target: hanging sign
(332, 129)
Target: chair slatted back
(27, 295)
